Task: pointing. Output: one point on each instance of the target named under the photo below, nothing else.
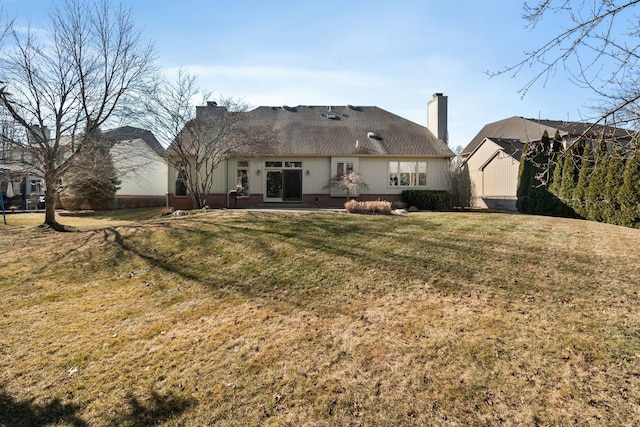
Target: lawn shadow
(153, 411)
(14, 413)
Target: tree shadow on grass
(15, 413)
(153, 411)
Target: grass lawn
(239, 318)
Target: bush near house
(427, 200)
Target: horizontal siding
(142, 171)
(375, 172)
(501, 177)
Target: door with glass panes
(283, 181)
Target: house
(137, 156)
(301, 149)
(493, 155)
(20, 188)
(140, 165)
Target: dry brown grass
(240, 318)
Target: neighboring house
(19, 188)
(493, 155)
(305, 147)
(138, 159)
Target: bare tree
(349, 182)
(63, 84)
(200, 138)
(599, 45)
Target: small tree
(91, 181)
(350, 183)
(461, 186)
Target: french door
(284, 185)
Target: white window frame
(242, 171)
(407, 173)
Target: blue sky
(391, 54)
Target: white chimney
(437, 117)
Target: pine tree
(568, 184)
(629, 193)
(91, 182)
(612, 184)
(556, 163)
(541, 202)
(524, 180)
(584, 173)
(594, 192)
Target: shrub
(371, 207)
(432, 200)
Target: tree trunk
(50, 205)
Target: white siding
(141, 170)
(375, 172)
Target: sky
(391, 54)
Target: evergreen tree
(91, 182)
(568, 183)
(525, 176)
(612, 184)
(556, 163)
(594, 191)
(629, 193)
(541, 201)
(584, 173)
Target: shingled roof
(526, 130)
(337, 131)
(130, 133)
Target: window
(285, 164)
(242, 178)
(344, 168)
(407, 174)
(36, 186)
(181, 180)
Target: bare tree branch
(64, 85)
(599, 48)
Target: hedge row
(430, 200)
(600, 184)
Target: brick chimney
(437, 117)
(211, 110)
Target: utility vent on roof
(372, 135)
